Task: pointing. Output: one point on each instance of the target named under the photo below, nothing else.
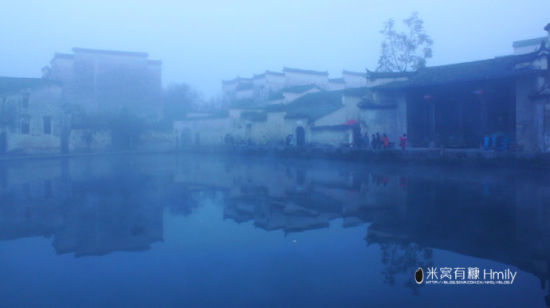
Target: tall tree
(179, 99)
(407, 50)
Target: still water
(183, 230)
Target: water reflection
(95, 206)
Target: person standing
(403, 141)
(385, 141)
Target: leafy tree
(179, 99)
(407, 50)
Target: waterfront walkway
(411, 156)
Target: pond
(188, 230)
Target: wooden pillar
(432, 120)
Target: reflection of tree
(183, 201)
(404, 258)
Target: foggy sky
(203, 42)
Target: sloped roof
(244, 86)
(246, 103)
(301, 71)
(345, 72)
(254, 116)
(59, 55)
(376, 75)
(236, 79)
(110, 52)
(300, 89)
(491, 69)
(268, 72)
(315, 105)
(529, 42)
(14, 84)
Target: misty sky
(203, 42)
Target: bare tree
(407, 50)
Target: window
(25, 127)
(47, 125)
(25, 101)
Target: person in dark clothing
(373, 142)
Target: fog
(203, 42)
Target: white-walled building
(300, 77)
(107, 80)
(335, 84)
(354, 79)
(31, 116)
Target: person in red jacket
(386, 141)
(403, 141)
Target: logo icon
(419, 275)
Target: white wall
(354, 80)
(298, 79)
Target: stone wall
(206, 131)
(332, 137)
(157, 141)
(89, 140)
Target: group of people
(498, 142)
(379, 142)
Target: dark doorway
(356, 137)
(65, 133)
(3, 142)
(300, 136)
(185, 138)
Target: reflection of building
(490, 219)
(94, 206)
(86, 216)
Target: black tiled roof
(376, 75)
(59, 55)
(244, 104)
(244, 86)
(13, 84)
(534, 41)
(111, 52)
(331, 127)
(275, 95)
(315, 105)
(345, 72)
(274, 73)
(254, 116)
(369, 104)
(235, 80)
(491, 69)
(300, 89)
(298, 70)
